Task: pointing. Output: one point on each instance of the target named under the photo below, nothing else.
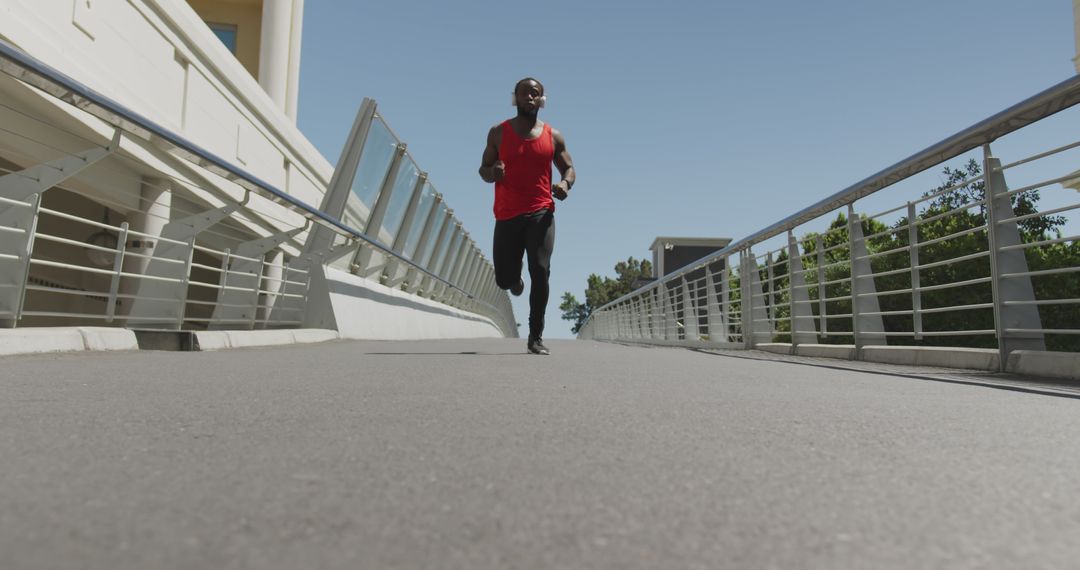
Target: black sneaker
(517, 289)
(536, 346)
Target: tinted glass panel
(430, 246)
(374, 164)
(423, 209)
(441, 251)
(404, 183)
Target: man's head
(529, 96)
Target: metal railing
(116, 233)
(971, 263)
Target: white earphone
(513, 100)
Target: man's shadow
(463, 353)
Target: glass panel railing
(354, 224)
(424, 250)
(404, 183)
(446, 266)
(440, 252)
(423, 210)
(374, 163)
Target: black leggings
(534, 235)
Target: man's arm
(491, 168)
(565, 164)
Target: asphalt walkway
(472, 454)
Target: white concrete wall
(246, 15)
(160, 59)
(364, 309)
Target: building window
(226, 33)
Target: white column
(293, 89)
(154, 211)
(274, 50)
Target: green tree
(951, 226)
(967, 215)
(602, 290)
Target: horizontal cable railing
(82, 251)
(971, 263)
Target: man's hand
(498, 170)
(560, 190)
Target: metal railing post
(21, 248)
(748, 308)
(256, 287)
(181, 301)
(770, 300)
(713, 317)
(867, 324)
(118, 268)
(1009, 280)
(690, 316)
(823, 313)
(916, 275)
(758, 321)
(340, 187)
(639, 319)
(657, 322)
(854, 275)
(725, 300)
(223, 282)
(669, 329)
(800, 313)
(792, 262)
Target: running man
(518, 160)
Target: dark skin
(528, 126)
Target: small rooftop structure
(673, 253)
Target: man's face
(528, 96)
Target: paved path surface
(471, 454)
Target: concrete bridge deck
(472, 454)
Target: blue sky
(683, 118)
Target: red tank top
(526, 186)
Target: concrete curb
(65, 339)
(105, 338)
(841, 351)
(43, 340)
(223, 340)
(941, 357)
(675, 343)
(1044, 363)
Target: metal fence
(971, 263)
(115, 232)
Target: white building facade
(177, 239)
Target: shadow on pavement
(465, 353)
